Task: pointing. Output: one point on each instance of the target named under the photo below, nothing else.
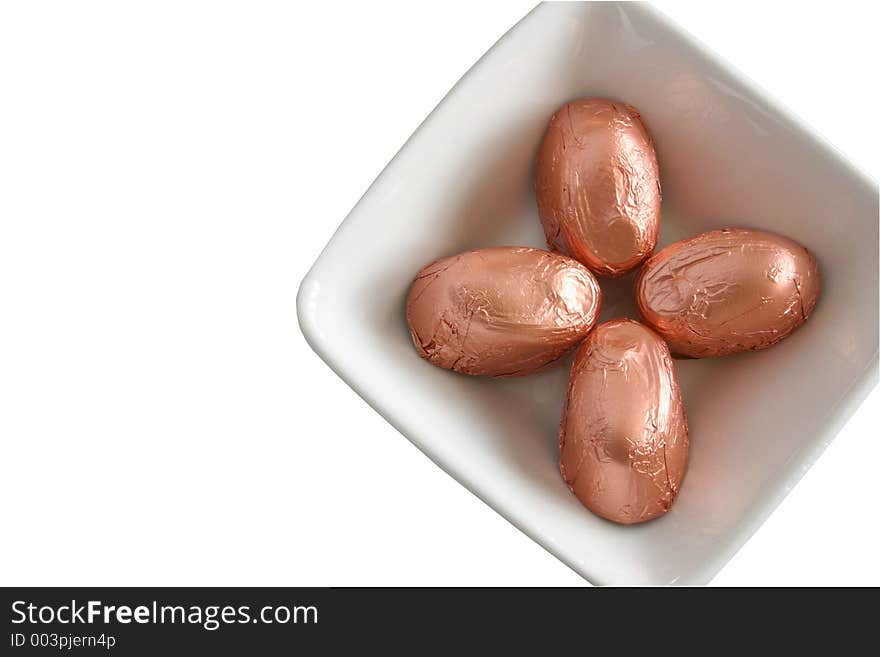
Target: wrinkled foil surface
(597, 184)
(503, 311)
(727, 291)
(623, 441)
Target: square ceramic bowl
(728, 156)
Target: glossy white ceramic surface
(728, 156)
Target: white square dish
(728, 156)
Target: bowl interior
(728, 157)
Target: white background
(168, 173)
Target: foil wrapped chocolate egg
(727, 291)
(623, 441)
(597, 184)
(502, 311)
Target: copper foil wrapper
(623, 441)
(597, 184)
(504, 311)
(727, 291)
